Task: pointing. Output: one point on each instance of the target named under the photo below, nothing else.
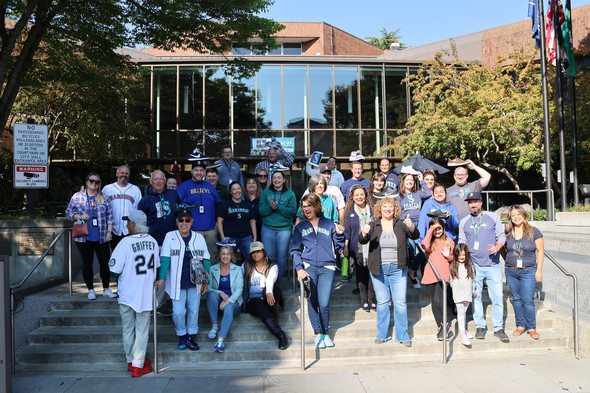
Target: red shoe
(146, 362)
(138, 372)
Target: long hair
(249, 266)
(454, 266)
(314, 201)
(439, 221)
(397, 211)
(350, 202)
(527, 229)
(376, 176)
(231, 252)
(258, 189)
(402, 189)
(99, 195)
(313, 182)
(272, 186)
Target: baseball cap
(473, 195)
(256, 246)
(325, 168)
(137, 216)
(184, 213)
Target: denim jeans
(136, 327)
(244, 245)
(492, 275)
(522, 285)
(391, 284)
(187, 306)
(276, 244)
(318, 304)
(230, 311)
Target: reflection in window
(346, 85)
(240, 50)
(371, 108)
(395, 96)
(138, 104)
(190, 97)
(243, 103)
(320, 97)
(290, 49)
(369, 143)
(269, 97)
(164, 106)
(188, 140)
(322, 141)
(346, 142)
(300, 141)
(216, 98)
(215, 140)
(242, 143)
(295, 96)
(167, 144)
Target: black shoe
(355, 291)
(165, 310)
(283, 341)
(439, 335)
(480, 333)
(373, 304)
(366, 307)
(191, 343)
(501, 335)
(413, 281)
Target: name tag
(201, 209)
(94, 221)
(519, 263)
(476, 246)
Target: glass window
(166, 144)
(395, 95)
(188, 140)
(240, 50)
(369, 143)
(215, 140)
(190, 97)
(138, 104)
(242, 143)
(322, 141)
(216, 98)
(346, 85)
(346, 142)
(164, 105)
(300, 141)
(295, 96)
(320, 97)
(290, 49)
(243, 103)
(371, 97)
(269, 97)
(277, 51)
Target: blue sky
(420, 21)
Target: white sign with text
(30, 144)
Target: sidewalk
(537, 374)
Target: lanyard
(90, 206)
(477, 227)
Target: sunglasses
(187, 220)
(265, 176)
(93, 181)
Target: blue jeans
(276, 244)
(230, 311)
(318, 304)
(391, 284)
(492, 275)
(522, 285)
(187, 306)
(244, 245)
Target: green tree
(492, 115)
(95, 29)
(387, 38)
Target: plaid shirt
(79, 205)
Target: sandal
(519, 331)
(533, 334)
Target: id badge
(201, 209)
(519, 263)
(476, 246)
(94, 222)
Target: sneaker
(417, 285)
(319, 342)
(407, 344)
(228, 241)
(480, 333)
(108, 293)
(218, 346)
(456, 162)
(274, 144)
(91, 294)
(366, 307)
(182, 342)
(165, 310)
(382, 341)
(408, 169)
(464, 339)
(502, 336)
(437, 213)
(212, 333)
(439, 335)
(328, 341)
(196, 155)
(469, 335)
(385, 193)
(356, 156)
(138, 372)
(373, 306)
(191, 343)
(277, 167)
(146, 362)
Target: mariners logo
(112, 262)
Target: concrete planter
(573, 219)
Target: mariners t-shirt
(203, 195)
(456, 196)
(236, 218)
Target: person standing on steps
(457, 192)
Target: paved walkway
(538, 374)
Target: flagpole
(572, 88)
(546, 118)
(558, 77)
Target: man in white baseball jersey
(124, 198)
(135, 260)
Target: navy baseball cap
(184, 213)
(473, 195)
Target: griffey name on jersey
(142, 245)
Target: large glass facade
(331, 108)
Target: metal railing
(444, 285)
(26, 277)
(302, 322)
(575, 282)
(154, 312)
(531, 192)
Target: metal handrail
(575, 281)
(154, 304)
(445, 303)
(26, 277)
(531, 192)
(302, 323)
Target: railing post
(70, 260)
(532, 208)
(445, 324)
(13, 333)
(576, 332)
(302, 323)
(154, 312)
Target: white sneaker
(469, 335)
(417, 285)
(464, 340)
(91, 294)
(328, 341)
(108, 293)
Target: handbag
(198, 273)
(80, 229)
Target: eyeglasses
(265, 176)
(93, 181)
(460, 175)
(187, 220)
(306, 206)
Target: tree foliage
(386, 39)
(491, 115)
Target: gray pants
(136, 327)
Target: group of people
(184, 239)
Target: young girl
(462, 275)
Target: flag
(568, 40)
(563, 41)
(534, 15)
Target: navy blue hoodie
(315, 248)
(159, 209)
